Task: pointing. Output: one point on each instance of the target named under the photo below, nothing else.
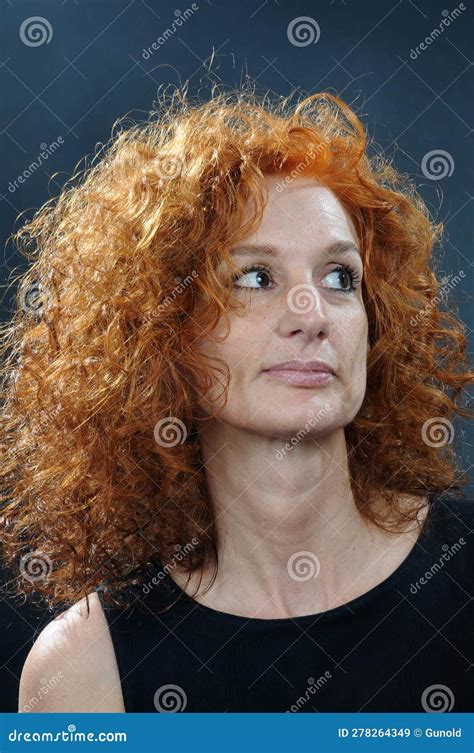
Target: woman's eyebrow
(339, 247)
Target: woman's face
(298, 308)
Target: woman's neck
(294, 543)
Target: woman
(226, 427)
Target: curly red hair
(101, 379)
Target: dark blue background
(71, 89)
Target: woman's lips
(301, 378)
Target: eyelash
(351, 271)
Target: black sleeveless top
(407, 645)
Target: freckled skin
(301, 220)
(270, 505)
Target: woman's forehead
(301, 211)
(304, 202)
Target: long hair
(101, 377)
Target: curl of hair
(101, 375)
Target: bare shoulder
(71, 665)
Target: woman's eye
(257, 277)
(347, 275)
(252, 277)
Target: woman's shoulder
(71, 665)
